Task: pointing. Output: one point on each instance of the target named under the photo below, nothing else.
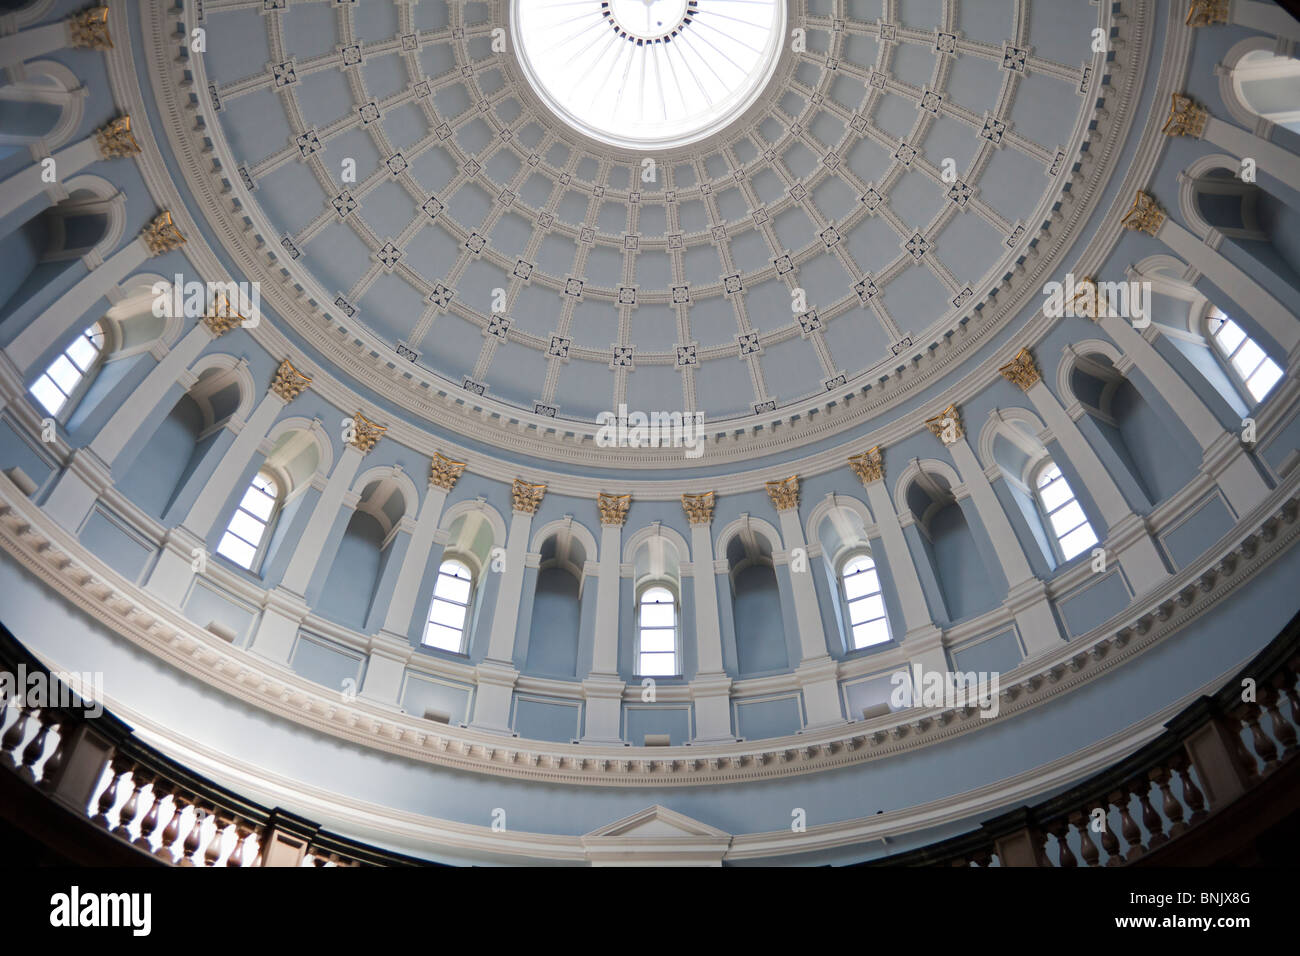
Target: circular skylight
(648, 73)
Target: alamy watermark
(62, 689)
(624, 429)
(918, 687)
(194, 299)
(1087, 299)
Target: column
(1189, 118)
(86, 30)
(1126, 533)
(921, 639)
(286, 606)
(1026, 595)
(711, 688)
(107, 142)
(496, 673)
(443, 475)
(817, 673)
(70, 310)
(170, 578)
(602, 687)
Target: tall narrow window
(1253, 369)
(60, 381)
(1062, 512)
(866, 605)
(246, 532)
(452, 596)
(657, 633)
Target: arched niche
(87, 224)
(839, 525)
(43, 106)
(562, 549)
(173, 453)
(1010, 442)
(656, 555)
(1259, 225)
(1136, 439)
(385, 496)
(748, 546)
(926, 496)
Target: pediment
(658, 822)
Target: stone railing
(1211, 754)
(95, 767)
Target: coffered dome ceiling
(873, 198)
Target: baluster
(54, 762)
(1284, 684)
(1245, 758)
(1155, 826)
(172, 833)
(1173, 809)
(242, 833)
(116, 770)
(1282, 728)
(1191, 793)
(1127, 825)
(1109, 841)
(126, 816)
(1087, 848)
(15, 734)
(218, 837)
(149, 825)
(35, 748)
(1064, 855)
(1261, 741)
(194, 840)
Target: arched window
(452, 595)
(1062, 513)
(247, 532)
(656, 652)
(70, 372)
(866, 605)
(1250, 367)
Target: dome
(615, 413)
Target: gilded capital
(1021, 371)
(221, 316)
(161, 235)
(946, 426)
(784, 493)
(445, 472)
(526, 497)
(1145, 215)
(89, 29)
(365, 433)
(1207, 13)
(613, 508)
(288, 382)
(698, 508)
(869, 465)
(1186, 117)
(115, 139)
(1086, 301)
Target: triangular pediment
(657, 821)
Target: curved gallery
(408, 429)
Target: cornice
(572, 442)
(55, 557)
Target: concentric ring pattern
(881, 188)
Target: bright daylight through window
(648, 72)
